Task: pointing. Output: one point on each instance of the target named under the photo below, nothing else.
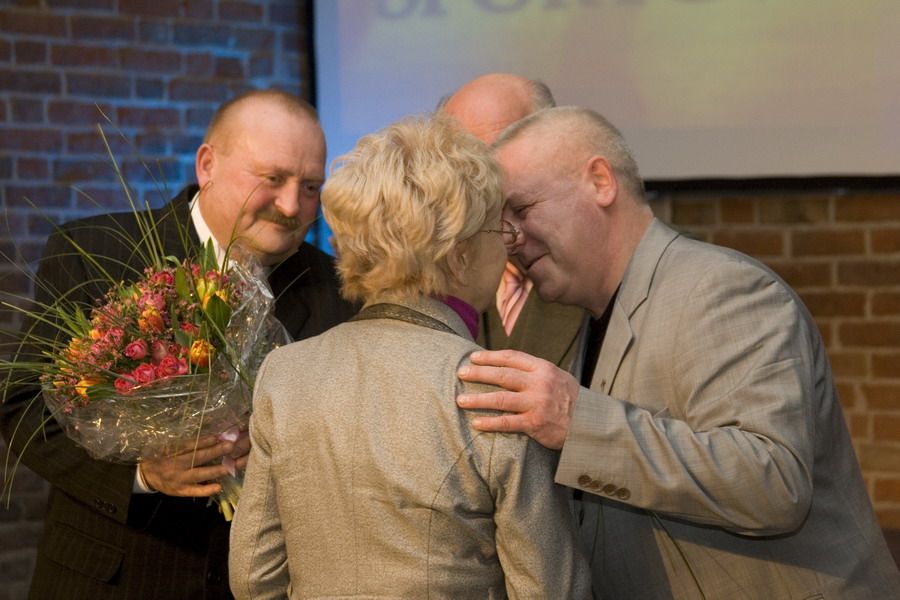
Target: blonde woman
(364, 478)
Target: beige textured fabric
(366, 481)
(731, 429)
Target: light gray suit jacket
(713, 405)
(365, 480)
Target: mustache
(273, 216)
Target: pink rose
(136, 350)
(163, 277)
(168, 367)
(153, 300)
(144, 373)
(160, 350)
(124, 385)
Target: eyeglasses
(509, 232)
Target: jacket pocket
(80, 552)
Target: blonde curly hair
(401, 200)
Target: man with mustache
(117, 531)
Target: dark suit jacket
(99, 539)
(543, 329)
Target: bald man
(117, 531)
(519, 319)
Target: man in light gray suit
(708, 444)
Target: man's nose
(288, 202)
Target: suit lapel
(546, 330)
(633, 292)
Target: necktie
(511, 296)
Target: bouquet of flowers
(167, 358)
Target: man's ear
(203, 164)
(603, 179)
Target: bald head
(488, 104)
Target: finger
(241, 463)
(503, 400)
(199, 491)
(199, 475)
(206, 455)
(505, 358)
(506, 423)
(505, 377)
(194, 444)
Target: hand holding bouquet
(162, 361)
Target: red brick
(103, 86)
(103, 28)
(860, 427)
(261, 38)
(835, 304)
(149, 88)
(44, 223)
(150, 170)
(68, 171)
(737, 210)
(43, 196)
(261, 65)
(107, 5)
(873, 457)
(849, 364)
(229, 68)
(151, 8)
(245, 12)
(147, 117)
(828, 242)
(887, 490)
(156, 31)
(32, 23)
(197, 90)
(30, 82)
(91, 142)
(876, 207)
(881, 396)
(885, 303)
(199, 117)
(5, 51)
(803, 274)
(875, 334)
(886, 365)
(295, 41)
(27, 110)
(694, 212)
(156, 61)
(284, 13)
(794, 209)
(77, 113)
(889, 518)
(202, 35)
(6, 168)
(67, 55)
(886, 429)
(886, 240)
(826, 331)
(200, 64)
(110, 198)
(31, 168)
(199, 9)
(30, 52)
(753, 242)
(848, 394)
(869, 273)
(30, 140)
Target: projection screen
(700, 88)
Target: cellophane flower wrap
(164, 360)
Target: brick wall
(840, 250)
(156, 69)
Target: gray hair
(589, 133)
